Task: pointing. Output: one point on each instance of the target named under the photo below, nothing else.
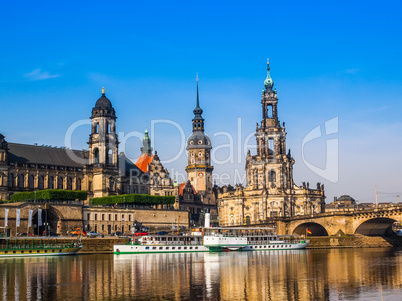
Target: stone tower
(146, 144)
(199, 169)
(103, 148)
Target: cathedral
(270, 190)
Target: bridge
(372, 221)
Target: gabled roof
(127, 167)
(143, 161)
(25, 153)
(182, 186)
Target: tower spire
(198, 96)
(268, 83)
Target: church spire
(268, 83)
(198, 121)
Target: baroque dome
(198, 140)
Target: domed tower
(3, 168)
(199, 169)
(103, 147)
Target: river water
(339, 274)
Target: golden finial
(103, 90)
(267, 61)
(197, 76)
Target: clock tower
(199, 169)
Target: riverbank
(331, 242)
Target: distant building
(270, 190)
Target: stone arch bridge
(371, 222)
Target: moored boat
(251, 239)
(37, 247)
(162, 244)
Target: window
(78, 185)
(115, 227)
(21, 181)
(69, 184)
(111, 184)
(96, 156)
(10, 180)
(103, 228)
(271, 176)
(248, 222)
(96, 216)
(109, 157)
(88, 216)
(110, 217)
(122, 217)
(89, 185)
(96, 128)
(31, 181)
(129, 217)
(41, 182)
(103, 217)
(50, 183)
(115, 217)
(60, 183)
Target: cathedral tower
(199, 169)
(103, 147)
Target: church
(270, 190)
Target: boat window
(38, 251)
(185, 248)
(30, 251)
(146, 248)
(196, 248)
(153, 248)
(191, 248)
(167, 248)
(173, 248)
(13, 252)
(5, 252)
(160, 248)
(22, 252)
(52, 251)
(179, 248)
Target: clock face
(200, 174)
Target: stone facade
(270, 190)
(106, 220)
(101, 170)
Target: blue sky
(328, 59)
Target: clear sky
(328, 59)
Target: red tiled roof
(143, 161)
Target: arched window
(31, 180)
(109, 128)
(10, 180)
(272, 176)
(248, 221)
(41, 182)
(96, 127)
(60, 183)
(96, 156)
(111, 184)
(69, 183)
(78, 185)
(21, 181)
(50, 183)
(110, 157)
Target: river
(337, 274)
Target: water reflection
(276, 275)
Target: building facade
(270, 190)
(101, 170)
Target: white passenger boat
(251, 239)
(162, 244)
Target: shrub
(136, 199)
(49, 194)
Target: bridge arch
(315, 228)
(376, 227)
